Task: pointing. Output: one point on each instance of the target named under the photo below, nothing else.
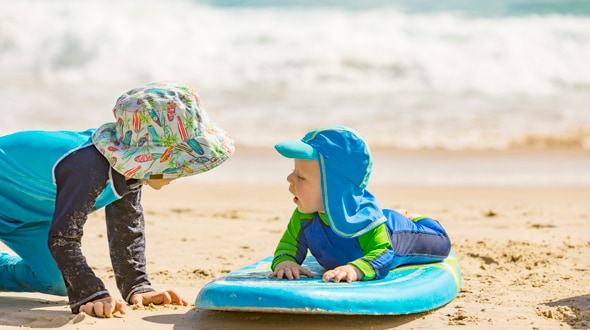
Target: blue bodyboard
(405, 290)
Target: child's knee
(55, 286)
(52, 283)
(59, 289)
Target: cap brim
(296, 149)
(216, 146)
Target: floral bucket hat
(162, 131)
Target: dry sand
(524, 254)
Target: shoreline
(567, 167)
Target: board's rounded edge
(214, 296)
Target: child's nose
(290, 178)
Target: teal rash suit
(49, 183)
(398, 241)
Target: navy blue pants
(419, 241)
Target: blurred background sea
(506, 81)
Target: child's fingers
(137, 299)
(328, 276)
(93, 309)
(158, 298)
(289, 273)
(105, 307)
(176, 298)
(119, 307)
(162, 298)
(279, 273)
(350, 277)
(338, 275)
(109, 308)
(87, 308)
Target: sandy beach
(523, 252)
(476, 114)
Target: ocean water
(410, 75)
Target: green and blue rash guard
(368, 252)
(60, 177)
(396, 242)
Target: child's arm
(126, 236)
(125, 231)
(80, 179)
(290, 252)
(375, 263)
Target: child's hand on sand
(105, 307)
(158, 298)
(290, 270)
(109, 306)
(348, 273)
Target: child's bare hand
(348, 273)
(158, 298)
(105, 307)
(290, 270)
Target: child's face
(305, 185)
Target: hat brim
(297, 149)
(214, 145)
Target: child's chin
(306, 211)
(302, 210)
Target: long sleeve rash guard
(372, 252)
(396, 242)
(61, 177)
(81, 178)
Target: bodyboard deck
(405, 290)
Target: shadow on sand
(205, 319)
